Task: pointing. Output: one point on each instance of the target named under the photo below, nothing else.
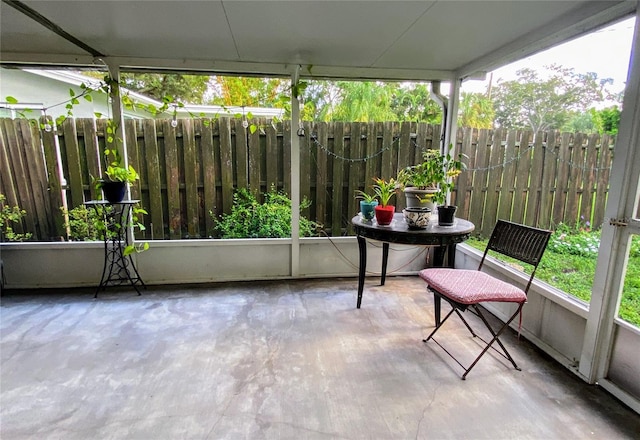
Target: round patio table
(444, 238)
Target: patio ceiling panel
(452, 33)
(183, 30)
(422, 40)
(352, 34)
(20, 34)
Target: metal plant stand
(118, 269)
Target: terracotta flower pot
(384, 214)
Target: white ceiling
(350, 39)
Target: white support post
(117, 116)
(452, 116)
(451, 127)
(116, 112)
(295, 175)
(621, 204)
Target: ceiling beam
(208, 67)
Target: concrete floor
(272, 360)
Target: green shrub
(575, 241)
(87, 224)
(271, 219)
(83, 224)
(8, 216)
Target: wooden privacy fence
(540, 180)
(191, 170)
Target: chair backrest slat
(524, 243)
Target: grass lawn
(569, 264)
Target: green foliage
(363, 102)
(185, 88)
(576, 241)
(581, 122)
(476, 111)
(412, 102)
(369, 198)
(368, 102)
(435, 171)
(83, 224)
(542, 103)
(608, 120)
(116, 171)
(250, 92)
(272, 219)
(384, 189)
(8, 216)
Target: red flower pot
(384, 214)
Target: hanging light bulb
(245, 123)
(47, 126)
(174, 121)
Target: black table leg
(451, 256)
(439, 261)
(362, 248)
(385, 258)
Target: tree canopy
(367, 101)
(541, 103)
(556, 98)
(476, 111)
(188, 89)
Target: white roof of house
(76, 79)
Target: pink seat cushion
(471, 286)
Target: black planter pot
(446, 215)
(114, 191)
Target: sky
(605, 52)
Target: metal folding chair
(463, 288)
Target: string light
(47, 126)
(174, 121)
(245, 123)
(573, 164)
(349, 159)
(503, 164)
(526, 152)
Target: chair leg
(473, 333)
(496, 336)
(439, 325)
(504, 352)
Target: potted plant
(384, 190)
(446, 215)
(417, 217)
(428, 182)
(114, 186)
(368, 203)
